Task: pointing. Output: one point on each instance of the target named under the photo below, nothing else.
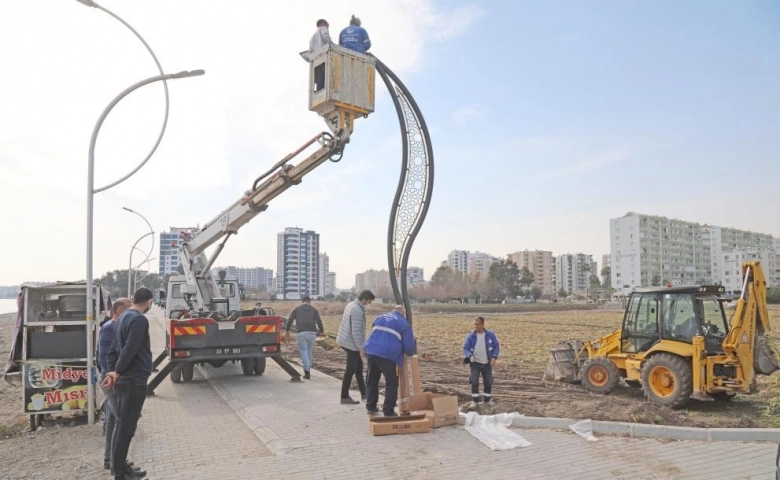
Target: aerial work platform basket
(341, 85)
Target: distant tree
(526, 277)
(507, 276)
(606, 272)
(443, 276)
(535, 292)
(329, 297)
(490, 290)
(594, 286)
(656, 280)
(562, 293)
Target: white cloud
(250, 109)
(467, 114)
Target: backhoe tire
(175, 374)
(259, 365)
(600, 375)
(248, 366)
(667, 380)
(634, 384)
(187, 372)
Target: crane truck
(677, 344)
(205, 323)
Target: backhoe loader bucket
(766, 358)
(563, 365)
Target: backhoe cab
(676, 343)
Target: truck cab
(178, 299)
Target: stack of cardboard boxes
(420, 411)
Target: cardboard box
(442, 410)
(408, 382)
(398, 425)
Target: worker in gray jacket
(309, 324)
(352, 338)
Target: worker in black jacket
(129, 367)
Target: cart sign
(52, 386)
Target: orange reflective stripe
(260, 328)
(195, 330)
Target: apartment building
(256, 277)
(732, 267)
(378, 281)
(297, 263)
(572, 272)
(540, 263)
(414, 275)
(329, 287)
(169, 248)
(648, 249)
(476, 264)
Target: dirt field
(525, 339)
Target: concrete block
(665, 431)
(612, 428)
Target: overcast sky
(547, 119)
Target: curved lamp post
(151, 232)
(130, 264)
(91, 190)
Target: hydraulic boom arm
(197, 266)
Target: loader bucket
(766, 358)
(562, 366)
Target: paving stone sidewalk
(233, 426)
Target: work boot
(306, 375)
(348, 401)
(372, 411)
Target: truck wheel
(600, 375)
(248, 366)
(667, 380)
(259, 365)
(176, 375)
(187, 371)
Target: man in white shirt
(320, 39)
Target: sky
(546, 119)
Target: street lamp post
(91, 190)
(151, 232)
(130, 263)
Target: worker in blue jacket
(481, 351)
(355, 37)
(391, 337)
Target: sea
(7, 305)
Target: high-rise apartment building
(324, 269)
(647, 250)
(458, 260)
(540, 264)
(378, 281)
(470, 264)
(297, 263)
(572, 272)
(169, 248)
(257, 277)
(329, 287)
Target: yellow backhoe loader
(677, 344)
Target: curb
(655, 431)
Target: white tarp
(493, 431)
(584, 429)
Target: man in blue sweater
(129, 367)
(481, 351)
(391, 338)
(105, 339)
(355, 37)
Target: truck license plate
(228, 351)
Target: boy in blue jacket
(481, 351)
(391, 338)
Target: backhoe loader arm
(197, 266)
(746, 338)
